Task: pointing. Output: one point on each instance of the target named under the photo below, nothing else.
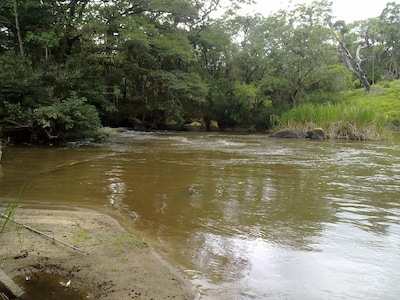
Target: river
(266, 218)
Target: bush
(71, 118)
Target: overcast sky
(348, 10)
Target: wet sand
(96, 255)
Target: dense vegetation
(69, 66)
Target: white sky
(348, 10)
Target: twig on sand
(42, 233)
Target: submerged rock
(291, 134)
(194, 191)
(315, 134)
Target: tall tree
(299, 51)
(353, 62)
(389, 37)
(16, 18)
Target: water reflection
(116, 187)
(273, 219)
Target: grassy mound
(384, 98)
(358, 116)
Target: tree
(366, 35)
(20, 43)
(151, 62)
(250, 59)
(298, 50)
(213, 48)
(354, 63)
(388, 31)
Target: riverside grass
(339, 121)
(384, 98)
(8, 215)
(10, 210)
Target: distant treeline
(68, 67)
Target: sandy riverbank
(113, 263)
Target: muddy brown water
(48, 286)
(268, 218)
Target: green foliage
(333, 81)
(322, 115)
(69, 118)
(72, 118)
(155, 61)
(18, 82)
(384, 99)
(301, 50)
(17, 114)
(388, 31)
(339, 120)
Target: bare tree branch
(354, 64)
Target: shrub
(71, 118)
(68, 119)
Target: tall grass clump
(343, 121)
(9, 211)
(7, 215)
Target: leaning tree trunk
(354, 64)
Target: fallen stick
(74, 163)
(42, 233)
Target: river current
(244, 216)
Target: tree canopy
(68, 66)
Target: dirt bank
(110, 263)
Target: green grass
(358, 115)
(9, 211)
(80, 236)
(323, 115)
(343, 120)
(384, 98)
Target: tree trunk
(21, 46)
(354, 64)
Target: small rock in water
(194, 191)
